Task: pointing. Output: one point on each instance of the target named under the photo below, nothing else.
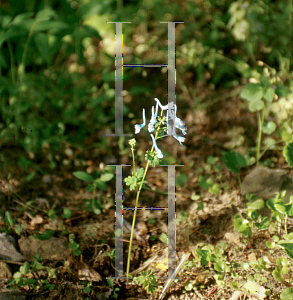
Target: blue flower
(159, 152)
(151, 126)
(180, 139)
(138, 127)
(180, 125)
(178, 122)
(153, 120)
(166, 107)
(163, 107)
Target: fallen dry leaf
(252, 257)
(85, 273)
(232, 237)
(37, 220)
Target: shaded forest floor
(211, 130)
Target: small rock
(47, 178)
(54, 249)
(265, 183)
(7, 248)
(12, 295)
(5, 270)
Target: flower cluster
(132, 142)
(151, 126)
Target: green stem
(133, 221)
(93, 200)
(158, 192)
(272, 148)
(12, 66)
(187, 231)
(260, 122)
(119, 5)
(21, 67)
(132, 150)
(251, 52)
(239, 180)
(290, 34)
(285, 225)
(226, 59)
(136, 204)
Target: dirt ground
(57, 189)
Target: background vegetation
(57, 96)
(57, 61)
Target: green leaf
(130, 181)
(83, 176)
(289, 236)
(211, 160)
(100, 185)
(45, 236)
(245, 266)
(9, 219)
(215, 188)
(234, 161)
(188, 286)
(150, 289)
(88, 9)
(66, 213)
(281, 208)
(269, 141)
(235, 285)
(284, 270)
(73, 246)
(277, 216)
(182, 179)
(110, 283)
(152, 157)
(251, 287)
(253, 214)
(25, 268)
(271, 204)
(202, 255)
(30, 281)
(236, 216)
(90, 188)
(219, 266)
(289, 209)
(76, 252)
(200, 205)
(45, 14)
(252, 92)
(265, 82)
(163, 238)
(282, 90)
(52, 214)
(269, 128)
(257, 204)
(107, 177)
(287, 294)
(265, 223)
(47, 25)
(84, 31)
(256, 105)
(269, 94)
(288, 247)
(288, 153)
(203, 183)
(140, 173)
(243, 226)
(42, 44)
